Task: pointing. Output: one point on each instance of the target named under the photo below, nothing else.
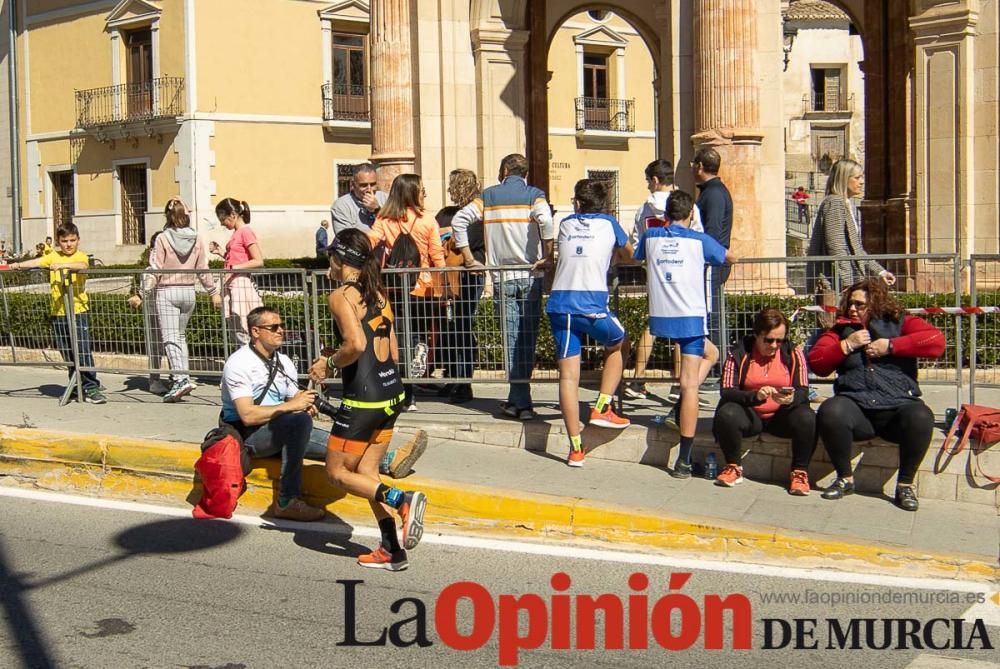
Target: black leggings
(734, 421)
(841, 422)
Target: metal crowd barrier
(459, 330)
(923, 281)
(984, 351)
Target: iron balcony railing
(126, 103)
(345, 102)
(605, 114)
(811, 105)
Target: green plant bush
(118, 328)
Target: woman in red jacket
(874, 348)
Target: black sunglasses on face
(273, 328)
(857, 305)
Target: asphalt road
(125, 586)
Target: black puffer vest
(880, 383)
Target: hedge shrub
(118, 328)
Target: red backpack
(222, 468)
(225, 462)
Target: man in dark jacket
(716, 206)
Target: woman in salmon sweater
(403, 213)
(765, 388)
(874, 346)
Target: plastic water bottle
(449, 311)
(711, 467)
(950, 414)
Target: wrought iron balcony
(345, 102)
(605, 114)
(811, 106)
(129, 103)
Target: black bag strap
(272, 366)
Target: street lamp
(788, 33)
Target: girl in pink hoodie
(179, 247)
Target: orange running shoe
(729, 476)
(381, 559)
(799, 484)
(575, 458)
(608, 419)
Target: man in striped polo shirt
(517, 227)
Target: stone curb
(149, 469)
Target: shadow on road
(172, 536)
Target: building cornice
(132, 12)
(941, 25)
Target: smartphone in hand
(787, 390)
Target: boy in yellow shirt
(68, 256)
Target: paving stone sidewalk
(30, 399)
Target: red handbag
(981, 424)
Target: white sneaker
(635, 391)
(703, 402)
(179, 390)
(418, 366)
(158, 387)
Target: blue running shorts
(691, 345)
(569, 329)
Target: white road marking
(925, 661)
(550, 550)
(988, 612)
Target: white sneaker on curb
(635, 391)
(179, 390)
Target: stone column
(727, 108)
(944, 102)
(500, 86)
(392, 103)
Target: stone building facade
(266, 105)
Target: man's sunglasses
(272, 328)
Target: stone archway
(544, 19)
(510, 39)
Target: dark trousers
(61, 326)
(840, 422)
(459, 349)
(734, 421)
(417, 327)
(717, 277)
(288, 434)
